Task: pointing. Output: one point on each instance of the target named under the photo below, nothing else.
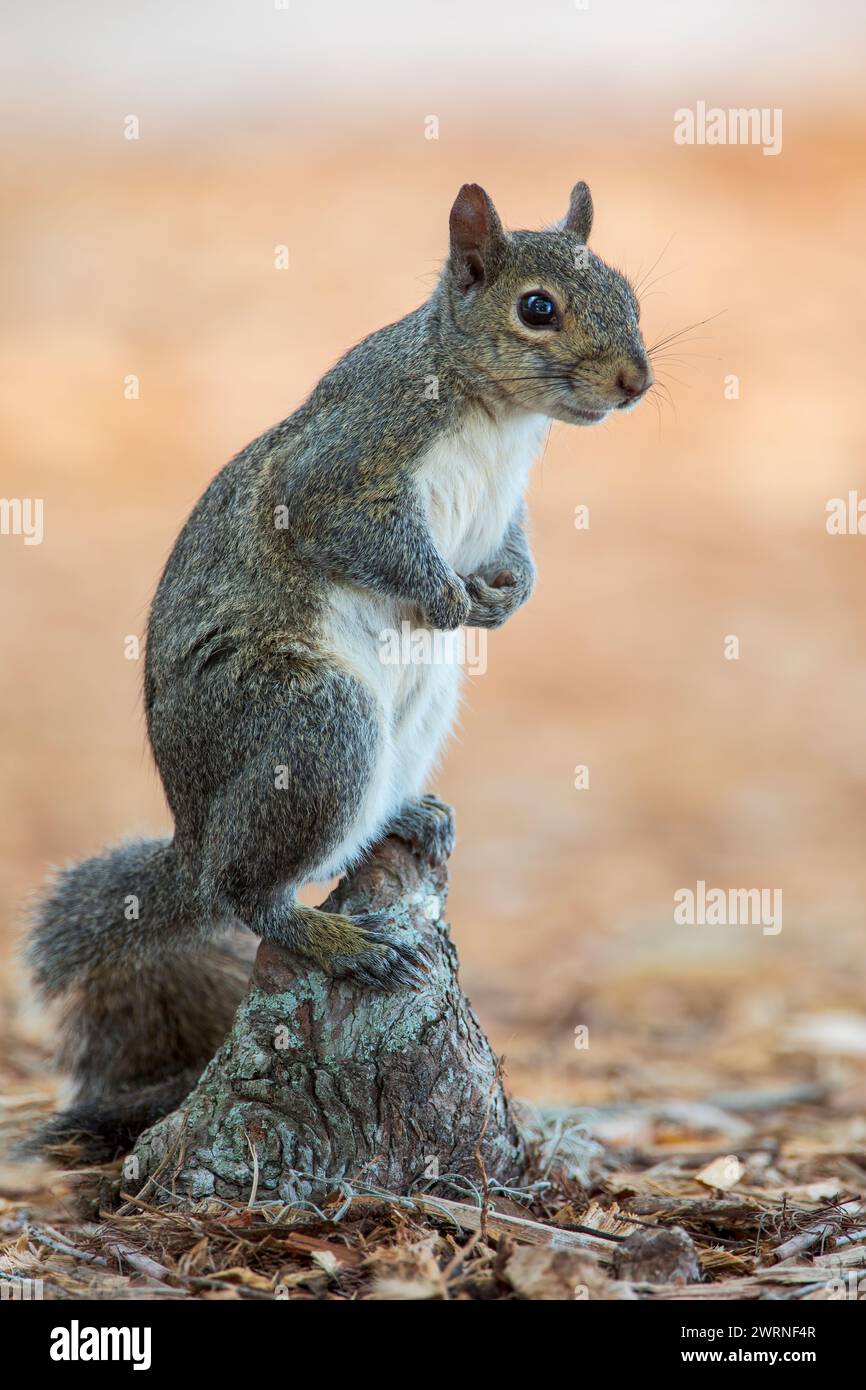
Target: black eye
(537, 310)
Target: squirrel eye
(537, 310)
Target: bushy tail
(148, 993)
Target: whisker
(658, 279)
(668, 356)
(686, 385)
(674, 362)
(676, 340)
(658, 411)
(643, 278)
(534, 376)
(672, 337)
(664, 390)
(656, 389)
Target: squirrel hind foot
(362, 949)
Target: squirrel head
(539, 322)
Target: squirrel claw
(381, 962)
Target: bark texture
(321, 1083)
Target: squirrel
(285, 745)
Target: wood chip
(722, 1173)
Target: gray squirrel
(285, 745)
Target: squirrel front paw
(450, 606)
(494, 601)
(426, 824)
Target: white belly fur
(471, 484)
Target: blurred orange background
(155, 257)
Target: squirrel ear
(578, 219)
(476, 232)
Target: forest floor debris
(637, 1220)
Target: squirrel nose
(633, 380)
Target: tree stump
(322, 1083)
